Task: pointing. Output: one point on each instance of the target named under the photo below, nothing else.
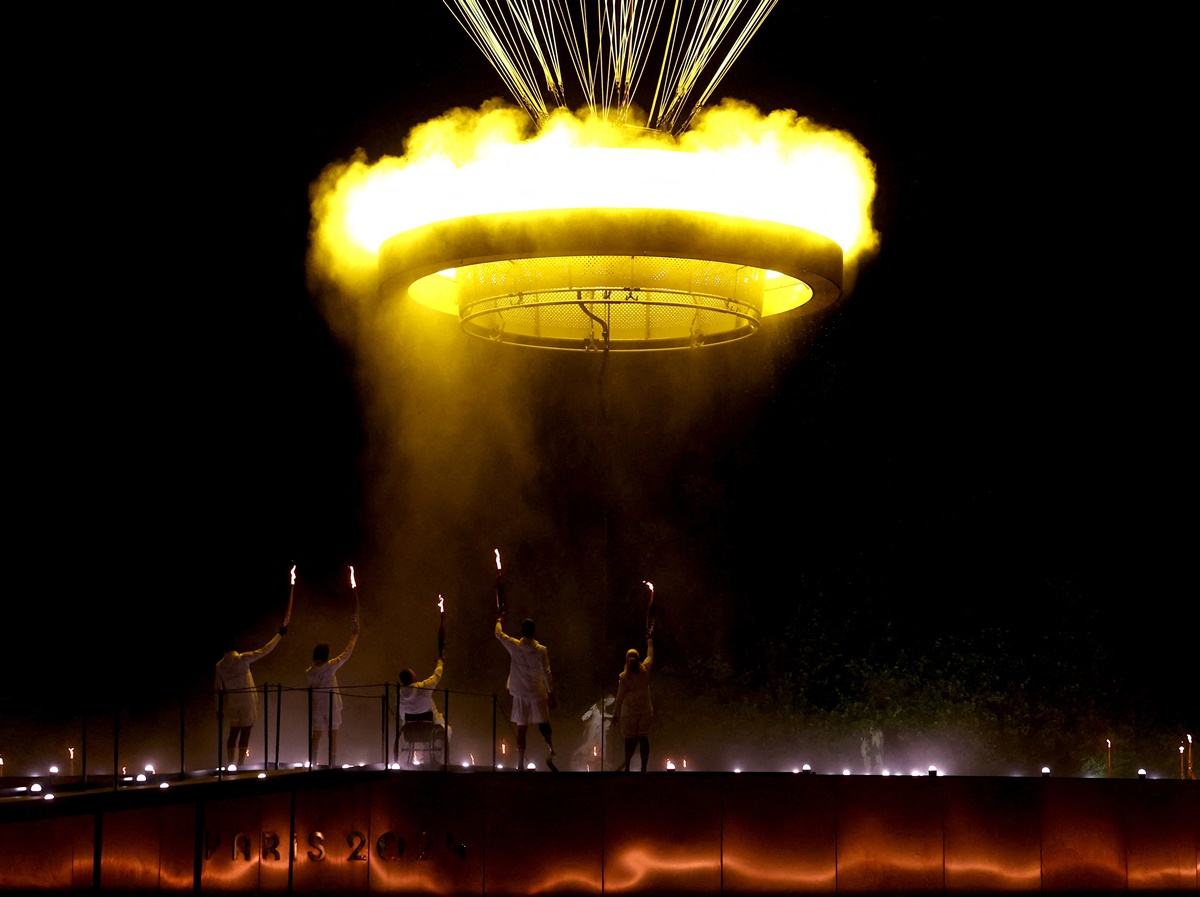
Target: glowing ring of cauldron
(621, 279)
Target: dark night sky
(981, 434)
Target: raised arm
(264, 650)
(433, 680)
(504, 637)
(349, 649)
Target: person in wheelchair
(415, 706)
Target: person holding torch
(236, 696)
(633, 711)
(322, 684)
(531, 685)
(415, 701)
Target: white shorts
(240, 709)
(530, 711)
(320, 713)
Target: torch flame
(353, 584)
(441, 604)
(649, 585)
(497, 559)
(293, 574)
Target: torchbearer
(531, 685)
(322, 681)
(415, 701)
(633, 695)
(236, 696)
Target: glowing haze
(735, 160)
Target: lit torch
(441, 626)
(649, 610)
(1191, 771)
(500, 608)
(287, 618)
(1109, 742)
(354, 588)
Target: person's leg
(332, 748)
(521, 730)
(244, 746)
(548, 734)
(315, 747)
(231, 745)
(630, 744)
(644, 746)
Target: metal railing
(282, 731)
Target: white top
(529, 672)
(418, 697)
(234, 676)
(322, 677)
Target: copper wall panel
(149, 849)
(274, 843)
(662, 833)
(507, 833)
(779, 834)
(231, 842)
(544, 833)
(889, 834)
(1082, 840)
(332, 824)
(427, 835)
(1162, 828)
(46, 854)
(993, 834)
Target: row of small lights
(670, 766)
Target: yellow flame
(497, 559)
(293, 574)
(735, 160)
(441, 604)
(353, 584)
